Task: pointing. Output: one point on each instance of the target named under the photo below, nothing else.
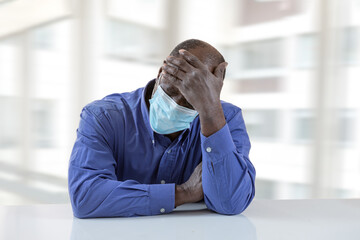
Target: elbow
(242, 202)
(234, 207)
(230, 209)
(236, 204)
(229, 212)
(83, 199)
(79, 214)
(80, 210)
(81, 205)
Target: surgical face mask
(166, 116)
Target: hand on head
(193, 79)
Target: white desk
(263, 220)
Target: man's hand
(200, 87)
(197, 84)
(191, 190)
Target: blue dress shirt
(120, 167)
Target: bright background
(293, 69)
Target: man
(173, 142)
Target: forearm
(99, 197)
(227, 176)
(212, 118)
(180, 196)
(191, 190)
(228, 187)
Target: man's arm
(228, 176)
(93, 186)
(227, 173)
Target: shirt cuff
(162, 198)
(218, 144)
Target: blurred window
(259, 85)
(9, 67)
(262, 11)
(18, 16)
(43, 38)
(262, 54)
(9, 122)
(306, 50)
(150, 13)
(43, 123)
(130, 41)
(262, 124)
(347, 126)
(265, 189)
(304, 125)
(350, 45)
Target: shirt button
(162, 210)
(208, 149)
(162, 181)
(169, 151)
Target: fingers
(174, 81)
(182, 64)
(174, 71)
(169, 78)
(220, 70)
(192, 59)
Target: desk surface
(264, 219)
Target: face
(169, 87)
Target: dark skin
(195, 82)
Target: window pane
(262, 54)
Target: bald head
(206, 53)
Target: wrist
(210, 109)
(180, 195)
(212, 120)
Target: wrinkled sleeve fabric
(228, 176)
(93, 186)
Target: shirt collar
(144, 108)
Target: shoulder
(116, 103)
(230, 110)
